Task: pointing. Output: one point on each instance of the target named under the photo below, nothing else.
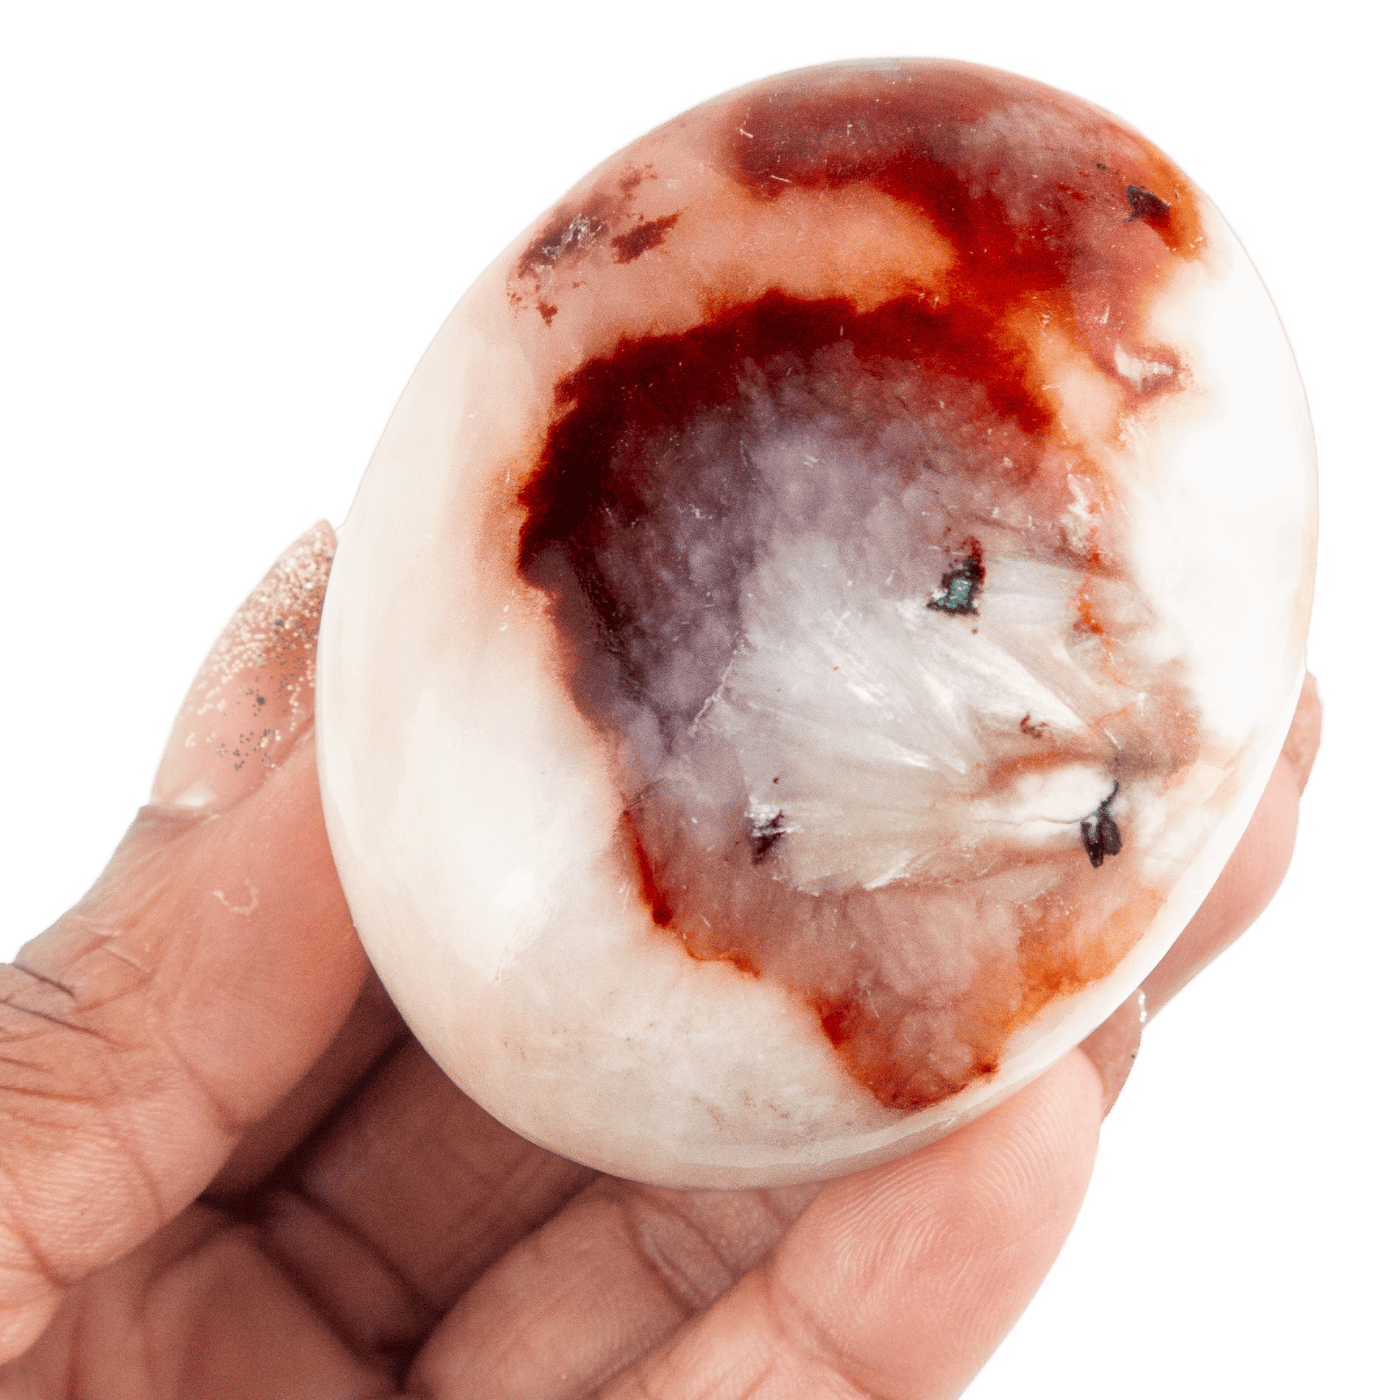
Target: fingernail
(1114, 1046)
(252, 699)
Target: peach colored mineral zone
(843, 496)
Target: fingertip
(1113, 1048)
(251, 701)
(1305, 733)
(920, 1267)
(1249, 881)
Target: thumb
(193, 985)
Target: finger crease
(282, 1174)
(663, 1264)
(759, 1381)
(797, 1329)
(47, 981)
(128, 1149)
(22, 1091)
(334, 1218)
(12, 1203)
(59, 1021)
(231, 1124)
(333, 1325)
(122, 956)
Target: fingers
(1255, 869)
(611, 1277)
(899, 1281)
(189, 991)
(417, 1186)
(1249, 881)
(197, 1312)
(326, 1279)
(908, 1288)
(370, 1033)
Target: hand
(229, 1170)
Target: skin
(229, 1170)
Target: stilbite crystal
(817, 622)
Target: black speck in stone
(765, 835)
(959, 587)
(1100, 833)
(1148, 207)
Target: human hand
(229, 1170)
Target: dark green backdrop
(230, 231)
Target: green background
(227, 234)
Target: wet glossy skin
(816, 587)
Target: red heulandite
(817, 622)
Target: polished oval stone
(817, 623)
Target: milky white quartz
(818, 620)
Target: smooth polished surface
(818, 621)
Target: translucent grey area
(773, 654)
